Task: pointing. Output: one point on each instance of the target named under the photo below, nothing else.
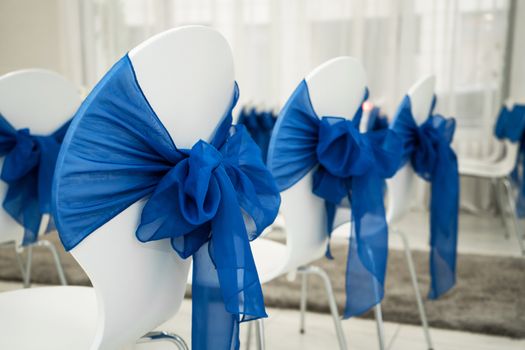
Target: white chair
(136, 286)
(42, 101)
(400, 196)
(336, 88)
(498, 171)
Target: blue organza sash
(259, 125)
(347, 164)
(511, 126)
(376, 120)
(28, 169)
(428, 149)
(117, 151)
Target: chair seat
(490, 168)
(270, 258)
(48, 318)
(342, 232)
(480, 168)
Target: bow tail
(330, 209)
(226, 287)
(444, 205)
(21, 202)
(368, 248)
(213, 327)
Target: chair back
(401, 186)
(42, 101)
(336, 88)
(186, 74)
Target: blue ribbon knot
(28, 169)
(342, 150)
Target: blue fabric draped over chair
(28, 169)
(260, 125)
(428, 149)
(199, 198)
(376, 120)
(346, 164)
(510, 125)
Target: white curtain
(277, 42)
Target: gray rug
(489, 297)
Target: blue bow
(28, 169)
(511, 125)
(260, 126)
(199, 198)
(429, 151)
(347, 164)
(376, 121)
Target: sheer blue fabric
(346, 164)
(510, 125)
(28, 169)
(376, 121)
(260, 125)
(199, 198)
(428, 149)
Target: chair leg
(379, 324)
(155, 337)
(20, 263)
(249, 335)
(304, 298)
(27, 275)
(60, 270)
(259, 331)
(512, 205)
(417, 292)
(331, 301)
(501, 206)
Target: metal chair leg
(259, 331)
(304, 298)
(415, 285)
(501, 206)
(20, 263)
(512, 205)
(331, 300)
(155, 337)
(60, 270)
(379, 324)
(27, 275)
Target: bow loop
(342, 149)
(200, 195)
(23, 157)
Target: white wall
(517, 73)
(38, 34)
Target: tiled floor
(477, 234)
(481, 235)
(282, 333)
